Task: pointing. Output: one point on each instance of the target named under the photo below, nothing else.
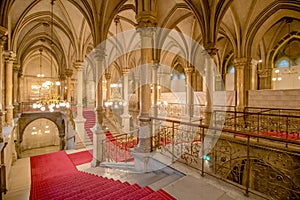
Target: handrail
(264, 114)
(228, 130)
(189, 146)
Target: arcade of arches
(138, 63)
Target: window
(230, 70)
(283, 63)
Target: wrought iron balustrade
(256, 163)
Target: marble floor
(177, 180)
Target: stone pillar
(155, 88)
(9, 88)
(125, 116)
(107, 77)
(253, 75)
(1, 134)
(16, 88)
(79, 120)
(3, 39)
(20, 88)
(209, 81)
(189, 92)
(69, 73)
(62, 80)
(142, 151)
(265, 78)
(243, 70)
(155, 106)
(98, 133)
(2, 77)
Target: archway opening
(39, 137)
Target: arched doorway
(39, 137)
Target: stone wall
(289, 99)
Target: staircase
(81, 185)
(90, 117)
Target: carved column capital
(264, 73)
(125, 70)
(189, 70)
(68, 72)
(16, 68)
(99, 54)
(9, 56)
(107, 76)
(78, 65)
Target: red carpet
(81, 157)
(51, 165)
(54, 176)
(90, 117)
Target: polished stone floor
(177, 180)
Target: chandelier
(51, 100)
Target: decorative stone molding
(189, 70)
(211, 50)
(68, 72)
(264, 73)
(99, 54)
(78, 65)
(107, 76)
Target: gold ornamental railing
(260, 164)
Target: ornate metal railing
(117, 147)
(276, 111)
(260, 164)
(262, 123)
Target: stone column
(189, 92)
(69, 73)
(16, 89)
(79, 120)
(265, 78)
(155, 88)
(3, 39)
(99, 135)
(107, 77)
(155, 106)
(9, 88)
(20, 87)
(62, 80)
(142, 151)
(125, 116)
(1, 134)
(242, 69)
(253, 80)
(209, 81)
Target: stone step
(164, 181)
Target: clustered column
(69, 73)
(79, 120)
(242, 82)
(155, 88)
(3, 39)
(9, 88)
(107, 77)
(145, 91)
(99, 135)
(125, 116)
(209, 80)
(189, 92)
(15, 92)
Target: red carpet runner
(54, 176)
(82, 157)
(90, 117)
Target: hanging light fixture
(116, 100)
(52, 99)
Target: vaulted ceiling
(240, 27)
